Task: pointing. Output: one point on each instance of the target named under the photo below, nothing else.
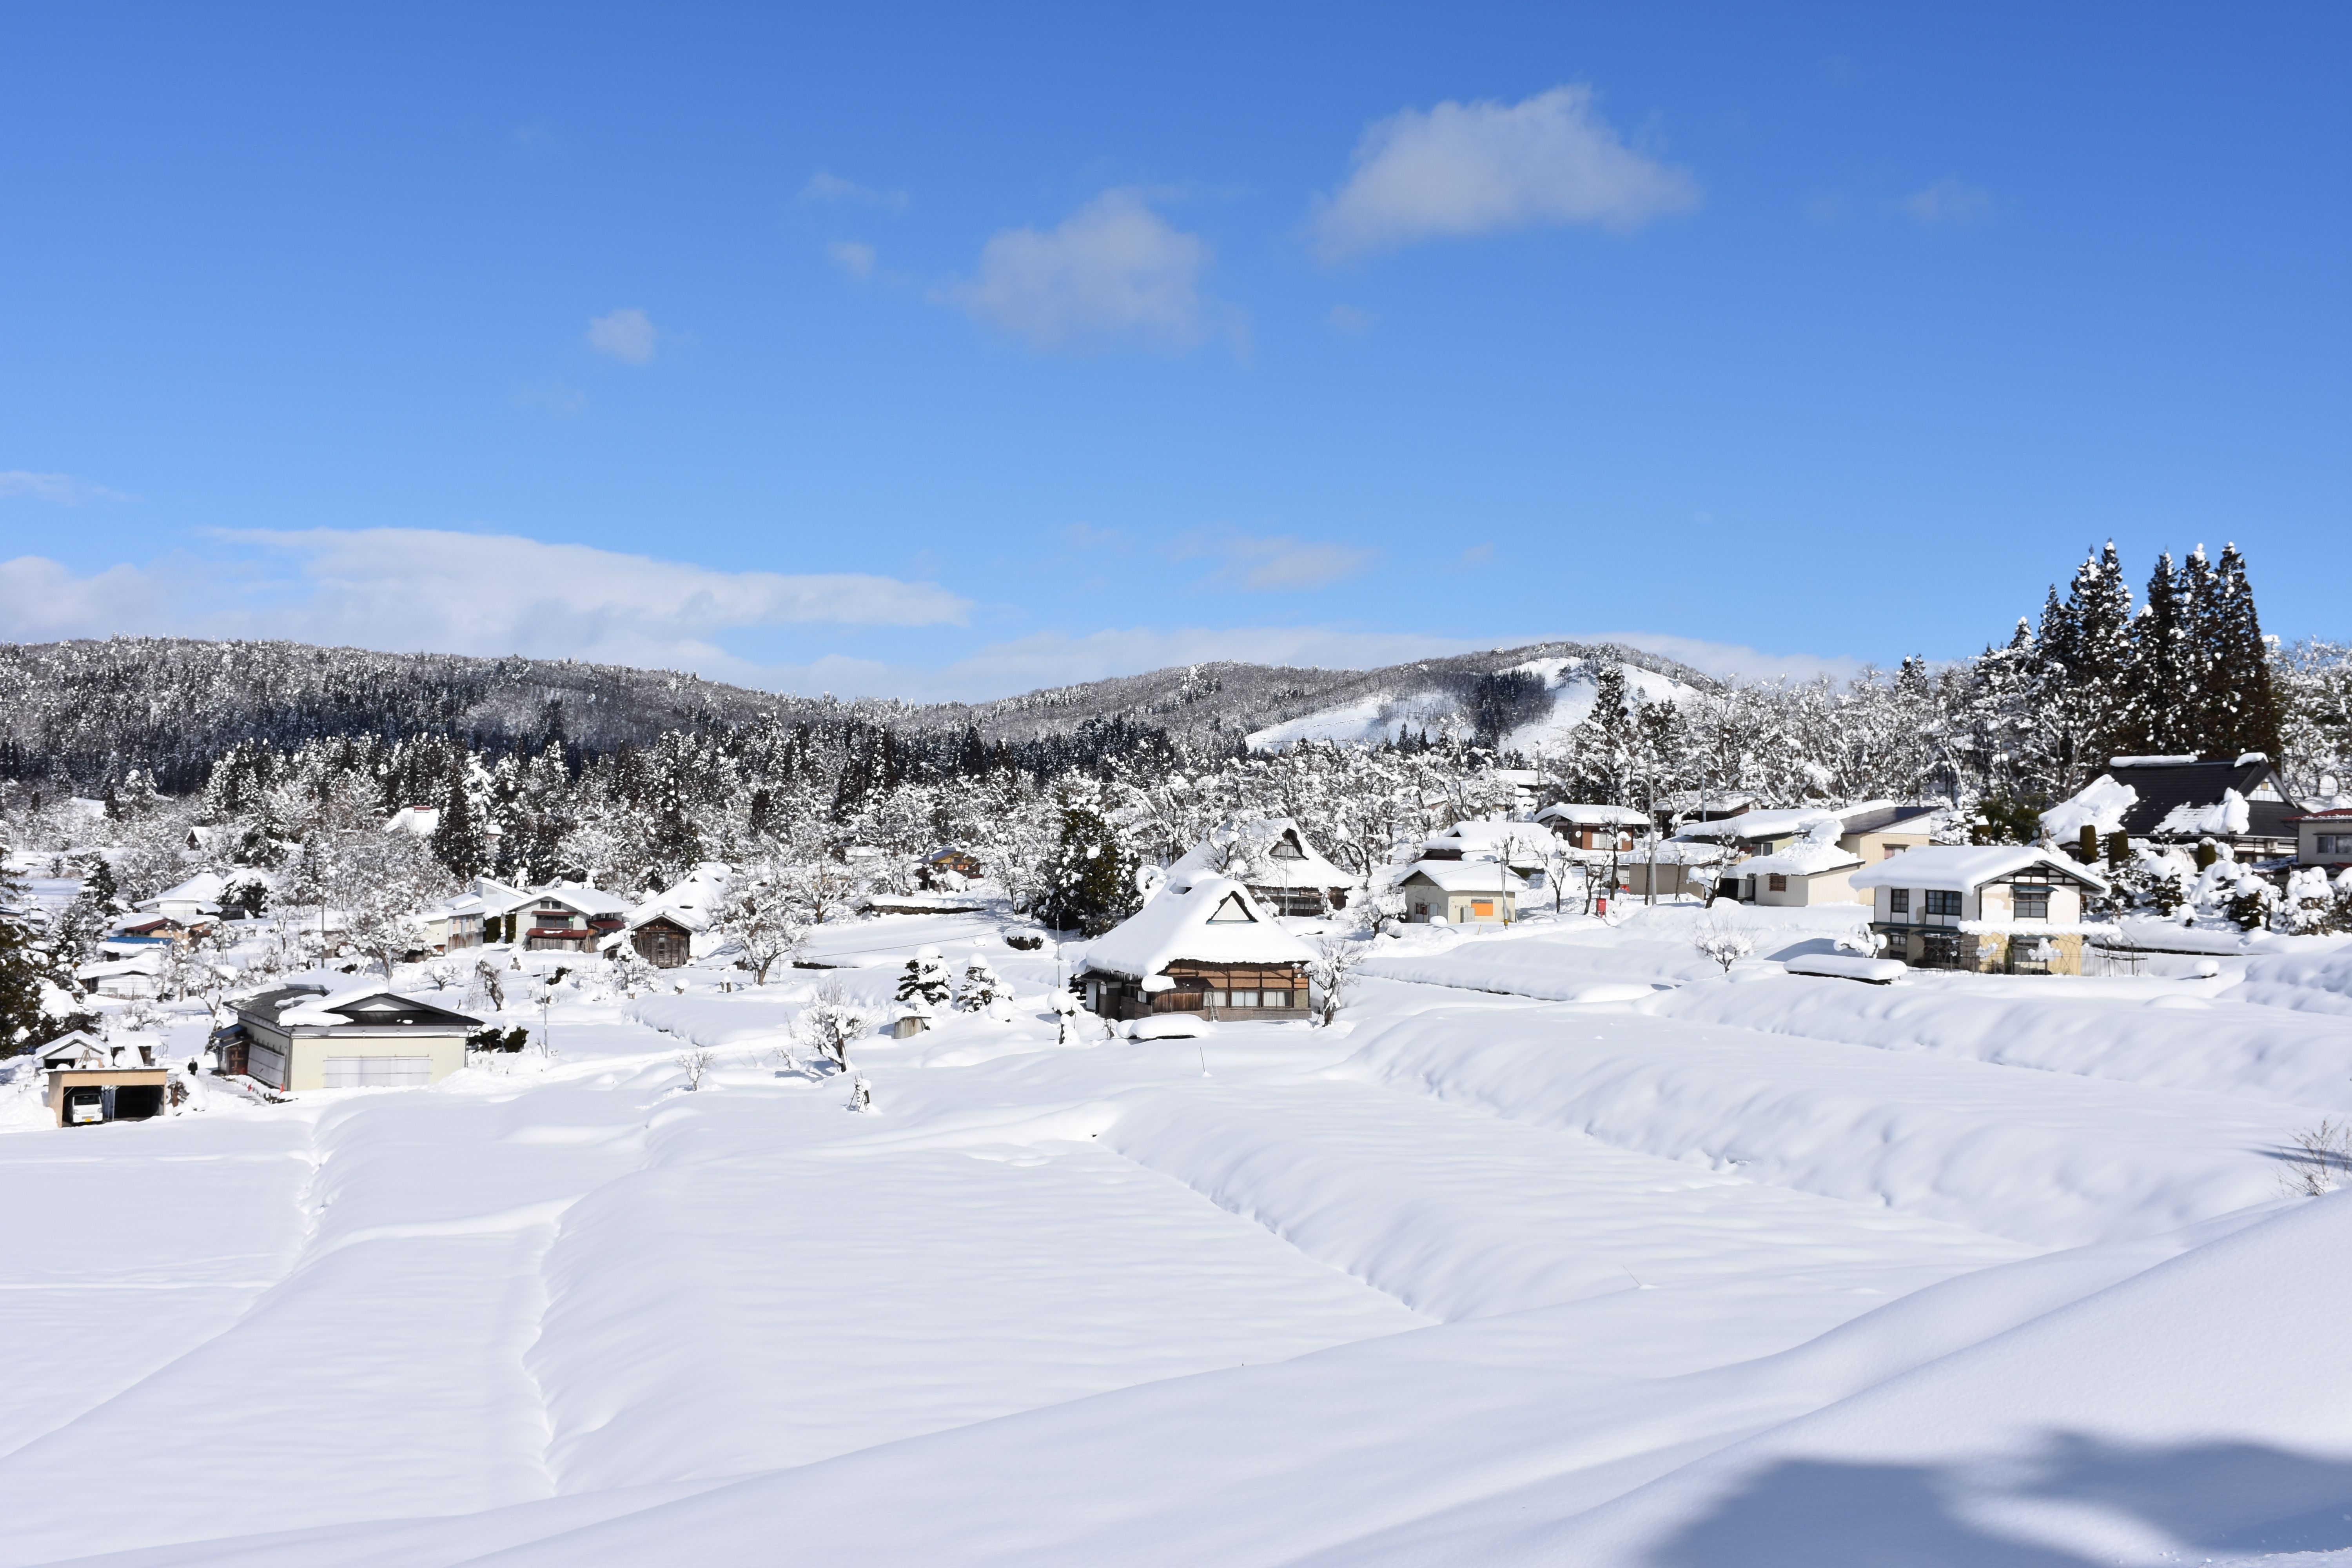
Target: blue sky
(953, 351)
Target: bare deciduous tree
(696, 1061)
(830, 1022)
(2318, 1159)
(1332, 972)
(1724, 944)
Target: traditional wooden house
(1461, 893)
(1274, 860)
(92, 1080)
(673, 928)
(1812, 870)
(300, 1037)
(1521, 846)
(2180, 800)
(564, 917)
(1204, 946)
(1595, 829)
(1998, 908)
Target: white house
(1461, 893)
(1203, 946)
(1274, 860)
(1995, 906)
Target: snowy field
(1564, 1247)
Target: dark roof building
(2183, 800)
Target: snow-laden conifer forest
(1545, 1107)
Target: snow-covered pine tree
(2161, 716)
(457, 837)
(925, 978)
(980, 988)
(2243, 711)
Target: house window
(1893, 850)
(1898, 903)
(1241, 999)
(1273, 998)
(2031, 900)
(1482, 908)
(1943, 901)
(1213, 999)
(1780, 883)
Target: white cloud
(1283, 564)
(825, 187)
(413, 589)
(58, 490)
(1114, 268)
(1476, 168)
(1732, 661)
(855, 258)
(626, 334)
(1350, 321)
(1949, 204)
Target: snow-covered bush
(982, 991)
(1722, 944)
(925, 977)
(1331, 973)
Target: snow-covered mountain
(1570, 682)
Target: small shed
(1595, 828)
(1461, 893)
(1205, 947)
(671, 929)
(92, 1080)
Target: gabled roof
(580, 898)
(1892, 818)
(1753, 825)
(2165, 785)
(1215, 920)
(692, 902)
(1803, 859)
(311, 1007)
(204, 888)
(1594, 815)
(1259, 867)
(1963, 867)
(1465, 876)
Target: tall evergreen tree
(2160, 718)
(2243, 711)
(457, 838)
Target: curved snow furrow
(2169, 1041)
(2045, 1158)
(1461, 1214)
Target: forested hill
(91, 712)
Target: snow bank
(2041, 1157)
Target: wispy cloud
(407, 589)
(1460, 169)
(855, 259)
(1274, 563)
(1732, 662)
(1114, 270)
(58, 490)
(1948, 203)
(1350, 321)
(825, 187)
(626, 334)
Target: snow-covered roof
(420, 820)
(1466, 875)
(1963, 868)
(203, 889)
(1256, 863)
(1758, 825)
(1593, 816)
(150, 962)
(2229, 815)
(579, 896)
(2099, 806)
(1492, 836)
(692, 902)
(1803, 858)
(1215, 921)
